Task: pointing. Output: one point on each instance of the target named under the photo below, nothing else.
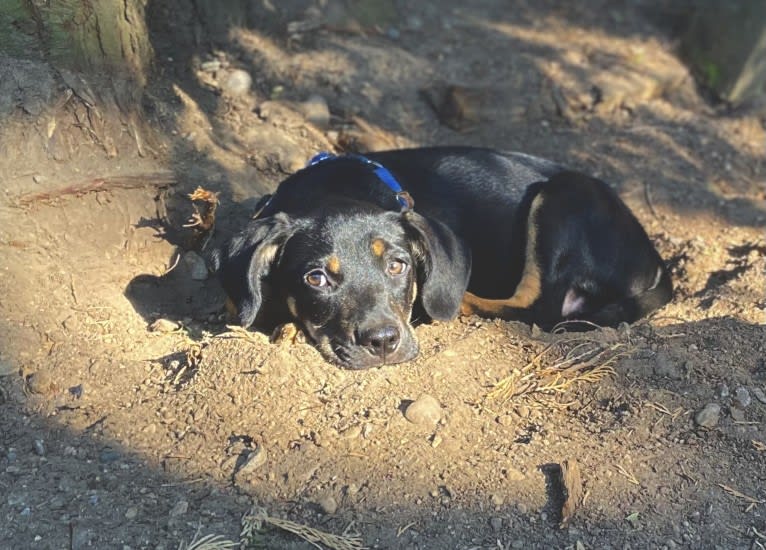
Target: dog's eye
(316, 278)
(396, 268)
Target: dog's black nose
(381, 341)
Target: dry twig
(585, 360)
(158, 179)
(628, 475)
(255, 519)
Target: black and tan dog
(341, 251)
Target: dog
(351, 247)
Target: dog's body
(335, 251)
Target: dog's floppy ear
(443, 265)
(246, 259)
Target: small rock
(367, 430)
(254, 460)
(131, 513)
(37, 178)
(497, 500)
(292, 161)
(708, 416)
(414, 23)
(196, 266)
(425, 410)
(39, 446)
(316, 111)
(164, 325)
(742, 397)
(328, 504)
(512, 474)
(737, 414)
(436, 441)
(664, 366)
(237, 83)
(77, 391)
(517, 544)
(352, 433)
(723, 391)
(40, 382)
(180, 508)
(210, 66)
(108, 455)
(496, 523)
(522, 411)
(393, 33)
(759, 395)
(7, 368)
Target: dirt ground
(120, 432)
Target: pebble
(254, 460)
(180, 508)
(759, 395)
(40, 382)
(352, 433)
(496, 523)
(723, 391)
(737, 414)
(664, 366)
(316, 111)
(518, 544)
(497, 500)
(196, 266)
(414, 22)
(210, 66)
(7, 368)
(522, 411)
(512, 474)
(131, 513)
(425, 410)
(108, 455)
(742, 397)
(39, 446)
(164, 325)
(237, 83)
(708, 416)
(393, 33)
(328, 504)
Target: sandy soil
(120, 432)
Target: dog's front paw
(287, 333)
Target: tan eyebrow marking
(378, 247)
(333, 265)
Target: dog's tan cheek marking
(231, 309)
(292, 306)
(333, 265)
(529, 288)
(268, 253)
(378, 247)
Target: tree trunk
(89, 36)
(726, 47)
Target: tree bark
(89, 36)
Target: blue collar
(403, 197)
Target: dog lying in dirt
(349, 247)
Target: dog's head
(349, 277)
